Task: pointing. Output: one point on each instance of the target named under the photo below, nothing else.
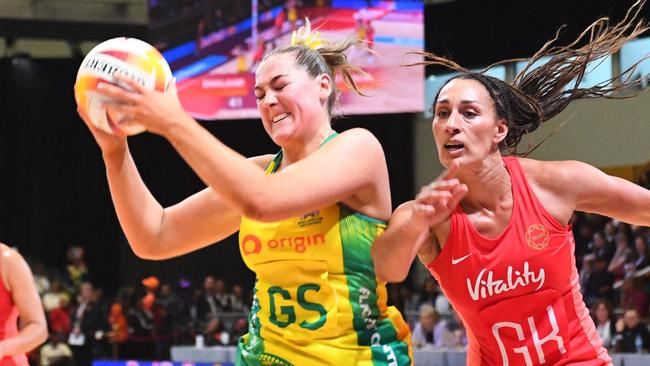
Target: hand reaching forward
(437, 200)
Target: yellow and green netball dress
(317, 299)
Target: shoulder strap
(275, 163)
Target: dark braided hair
(538, 94)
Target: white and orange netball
(130, 57)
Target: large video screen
(214, 48)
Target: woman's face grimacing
(288, 98)
(465, 125)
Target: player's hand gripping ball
(131, 57)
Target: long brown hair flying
(538, 94)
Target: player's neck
(302, 148)
(489, 185)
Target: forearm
(30, 337)
(240, 182)
(139, 213)
(394, 251)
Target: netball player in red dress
(494, 230)
(18, 298)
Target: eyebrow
(445, 101)
(276, 77)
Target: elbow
(259, 209)
(386, 270)
(392, 275)
(148, 252)
(42, 334)
(396, 276)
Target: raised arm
(591, 190)
(19, 281)
(352, 164)
(413, 227)
(394, 250)
(347, 165)
(155, 232)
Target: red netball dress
(9, 326)
(518, 295)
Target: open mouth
(280, 117)
(454, 147)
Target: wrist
(115, 152)
(417, 224)
(178, 127)
(114, 158)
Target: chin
(281, 138)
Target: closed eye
(279, 87)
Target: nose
(270, 100)
(453, 123)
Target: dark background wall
(53, 191)
(477, 33)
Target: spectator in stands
(150, 284)
(119, 330)
(222, 296)
(603, 314)
(458, 337)
(207, 306)
(602, 248)
(429, 330)
(56, 352)
(442, 305)
(140, 343)
(239, 328)
(408, 302)
(583, 233)
(642, 255)
(586, 271)
(173, 305)
(633, 335)
(610, 232)
(238, 301)
(429, 292)
(634, 297)
(622, 255)
(87, 320)
(600, 283)
(59, 318)
(40, 277)
(76, 271)
(53, 297)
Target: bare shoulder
(359, 138)
(554, 174)
(11, 263)
(8, 255)
(561, 185)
